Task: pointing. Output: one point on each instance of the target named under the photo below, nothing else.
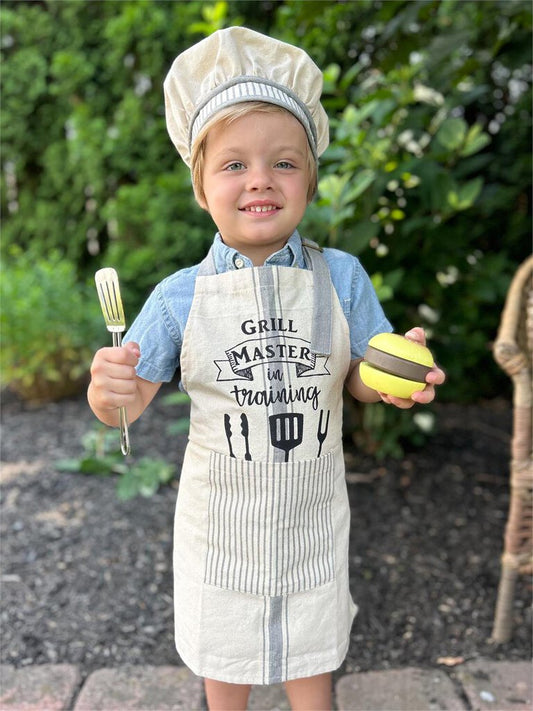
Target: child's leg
(226, 697)
(310, 694)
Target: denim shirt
(159, 327)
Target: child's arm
(361, 392)
(356, 387)
(114, 383)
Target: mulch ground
(86, 578)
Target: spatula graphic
(286, 431)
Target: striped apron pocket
(270, 526)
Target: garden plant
(427, 178)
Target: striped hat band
(250, 88)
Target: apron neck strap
(321, 327)
(207, 265)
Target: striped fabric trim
(270, 528)
(322, 307)
(244, 89)
(275, 640)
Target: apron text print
(245, 397)
(269, 350)
(251, 327)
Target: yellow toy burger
(395, 365)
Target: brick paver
(268, 698)
(479, 685)
(165, 688)
(500, 686)
(398, 690)
(48, 687)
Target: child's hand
(113, 377)
(435, 377)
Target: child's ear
(200, 199)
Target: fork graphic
(322, 430)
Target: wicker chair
(513, 351)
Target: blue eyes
(237, 166)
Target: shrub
(50, 326)
(427, 177)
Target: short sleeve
(159, 327)
(159, 340)
(358, 299)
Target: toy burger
(396, 366)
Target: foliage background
(427, 178)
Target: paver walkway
(474, 686)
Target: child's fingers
(113, 375)
(417, 334)
(425, 396)
(400, 402)
(133, 348)
(436, 376)
(125, 355)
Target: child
(266, 331)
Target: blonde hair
(227, 116)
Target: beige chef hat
(236, 65)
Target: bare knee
(310, 694)
(222, 696)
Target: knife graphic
(244, 432)
(227, 427)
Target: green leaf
(331, 75)
(127, 488)
(383, 290)
(394, 277)
(68, 465)
(359, 184)
(452, 133)
(475, 141)
(349, 77)
(361, 234)
(94, 465)
(339, 216)
(331, 188)
(464, 197)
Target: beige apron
(262, 516)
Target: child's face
(256, 181)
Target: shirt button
(239, 263)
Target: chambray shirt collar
(228, 258)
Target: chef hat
(236, 65)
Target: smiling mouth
(260, 208)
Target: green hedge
(427, 177)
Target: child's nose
(259, 178)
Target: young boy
(266, 332)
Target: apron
(262, 516)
